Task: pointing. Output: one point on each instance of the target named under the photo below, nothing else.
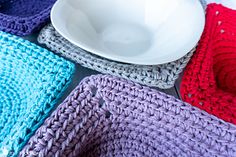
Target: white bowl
(144, 32)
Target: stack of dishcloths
(110, 116)
(32, 80)
(22, 17)
(162, 76)
(209, 81)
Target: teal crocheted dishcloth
(32, 79)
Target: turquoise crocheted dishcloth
(32, 79)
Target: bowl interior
(24, 8)
(130, 30)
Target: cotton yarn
(161, 76)
(32, 79)
(23, 17)
(111, 116)
(209, 81)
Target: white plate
(146, 32)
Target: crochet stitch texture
(162, 76)
(22, 17)
(209, 81)
(31, 81)
(110, 116)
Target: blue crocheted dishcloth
(32, 79)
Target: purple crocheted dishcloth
(109, 116)
(22, 17)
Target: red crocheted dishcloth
(209, 81)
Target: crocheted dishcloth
(22, 17)
(31, 81)
(209, 81)
(162, 76)
(110, 116)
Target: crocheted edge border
(25, 22)
(56, 97)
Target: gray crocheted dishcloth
(204, 3)
(161, 76)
